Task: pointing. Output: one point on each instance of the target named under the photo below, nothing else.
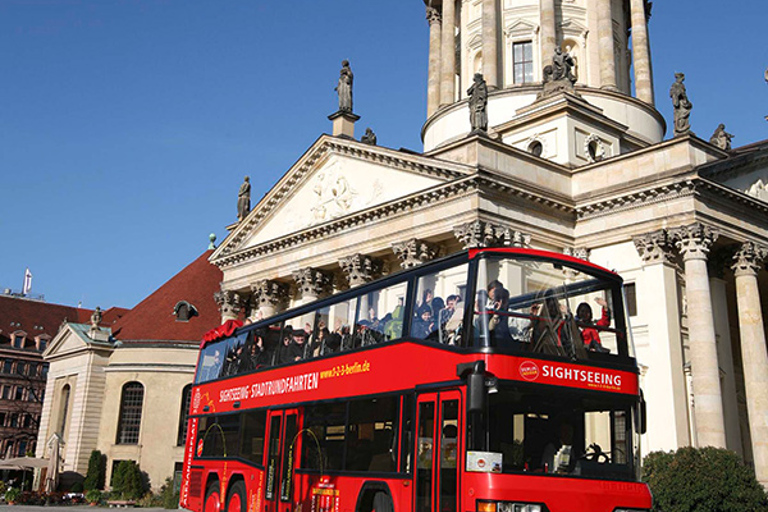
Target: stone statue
(681, 104)
(558, 76)
(96, 318)
(478, 102)
(369, 137)
(244, 199)
(344, 87)
(721, 138)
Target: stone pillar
(491, 44)
(344, 124)
(694, 242)
(414, 252)
(747, 262)
(479, 233)
(448, 54)
(267, 295)
(641, 52)
(229, 303)
(548, 29)
(433, 80)
(312, 283)
(665, 381)
(360, 269)
(606, 45)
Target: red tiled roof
(37, 317)
(153, 319)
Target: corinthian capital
(694, 241)
(229, 302)
(414, 252)
(749, 259)
(267, 293)
(433, 15)
(655, 247)
(479, 233)
(581, 253)
(312, 282)
(360, 269)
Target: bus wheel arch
(236, 495)
(212, 500)
(375, 497)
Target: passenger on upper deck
(423, 325)
(590, 334)
(552, 329)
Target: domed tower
(609, 110)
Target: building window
(64, 408)
(186, 396)
(184, 311)
(21, 368)
(7, 391)
(129, 423)
(522, 62)
(536, 148)
(7, 366)
(630, 294)
(2, 419)
(14, 420)
(19, 393)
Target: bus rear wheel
(382, 503)
(212, 499)
(236, 498)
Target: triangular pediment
(72, 339)
(336, 178)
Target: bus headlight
(509, 506)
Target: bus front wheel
(382, 503)
(236, 498)
(212, 499)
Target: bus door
(438, 445)
(282, 451)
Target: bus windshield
(561, 433)
(548, 308)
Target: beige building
(580, 168)
(125, 390)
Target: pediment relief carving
(758, 190)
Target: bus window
(220, 436)
(342, 317)
(406, 443)
(324, 436)
(294, 340)
(371, 439)
(211, 361)
(380, 316)
(439, 308)
(254, 428)
(289, 457)
(235, 356)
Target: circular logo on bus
(196, 400)
(200, 448)
(529, 370)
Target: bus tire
(382, 503)
(236, 501)
(212, 501)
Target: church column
(491, 44)
(748, 261)
(665, 380)
(229, 303)
(606, 45)
(480, 233)
(433, 80)
(267, 295)
(641, 53)
(694, 242)
(548, 29)
(448, 54)
(360, 269)
(414, 252)
(312, 283)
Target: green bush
(128, 482)
(702, 480)
(168, 497)
(97, 471)
(93, 496)
(12, 494)
(150, 500)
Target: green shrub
(169, 498)
(93, 496)
(97, 471)
(702, 480)
(12, 494)
(150, 500)
(128, 482)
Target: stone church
(571, 156)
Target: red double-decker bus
(494, 380)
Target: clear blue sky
(126, 126)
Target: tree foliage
(97, 471)
(702, 480)
(128, 482)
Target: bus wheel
(212, 499)
(382, 503)
(236, 498)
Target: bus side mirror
(476, 392)
(640, 422)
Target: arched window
(63, 410)
(129, 423)
(186, 396)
